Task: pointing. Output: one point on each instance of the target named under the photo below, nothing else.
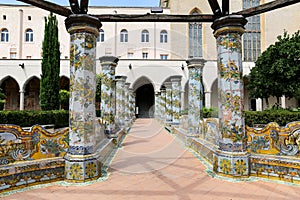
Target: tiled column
(81, 163)
(157, 105)
(108, 93)
(22, 100)
(127, 105)
(195, 111)
(176, 99)
(169, 111)
(163, 104)
(131, 104)
(120, 101)
(232, 159)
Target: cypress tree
(49, 85)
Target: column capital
(175, 78)
(109, 60)
(195, 62)
(121, 78)
(77, 23)
(229, 23)
(168, 85)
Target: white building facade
(150, 53)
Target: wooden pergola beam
(214, 5)
(52, 7)
(225, 7)
(84, 6)
(154, 18)
(266, 7)
(74, 6)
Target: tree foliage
(49, 90)
(277, 70)
(2, 99)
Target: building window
(145, 36)
(129, 55)
(13, 55)
(164, 56)
(100, 38)
(145, 55)
(29, 35)
(124, 35)
(251, 37)
(4, 35)
(4, 17)
(163, 36)
(29, 18)
(195, 38)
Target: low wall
(273, 151)
(31, 157)
(35, 155)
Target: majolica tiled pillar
(131, 104)
(169, 111)
(176, 99)
(232, 159)
(157, 105)
(127, 105)
(163, 104)
(81, 161)
(108, 93)
(120, 101)
(195, 114)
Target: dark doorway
(145, 101)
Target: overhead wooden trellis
(82, 8)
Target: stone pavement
(152, 164)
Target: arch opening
(145, 101)
(11, 89)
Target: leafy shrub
(282, 117)
(24, 118)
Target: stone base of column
(231, 164)
(82, 168)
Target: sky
(139, 3)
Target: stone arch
(11, 89)
(195, 10)
(31, 90)
(143, 80)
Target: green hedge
(282, 117)
(60, 118)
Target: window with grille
(4, 35)
(29, 35)
(195, 38)
(252, 35)
(145, 36)
(124, 35)
(163, 36)
(100, 38)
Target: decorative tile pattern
(108, 94)
(163, 104)
(231, 92)
(176, 100)
(120, 101)
(18, 145)
(169, 110)
(127, 105)
(275, 140)
(196, 93)
(82, 89)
